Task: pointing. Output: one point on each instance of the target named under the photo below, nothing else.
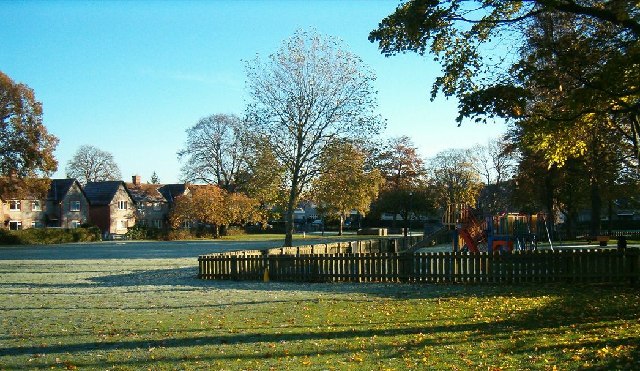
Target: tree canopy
(210, 205)
(551, 66)
(454, 178)
(307, 94)
(91, 164)
(215, 151)
(344, 183)
(26, 147)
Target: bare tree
(91, 164)
(310, 92)
(492, 162)
(216, 151)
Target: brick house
(112, 207)
(154, 201)
(67, 205)
(64, 205)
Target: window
(186, 224)
(36, 224)
(75, 224)
(74, 206)
(123, 205)
(157, 223)
(14, 205)
(122, 223)
(15, 225)
(36, 206)
(142, 222)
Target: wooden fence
(588, 265)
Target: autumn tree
(210, 205)
(204, 204)
(344, 184)
(570, 111)
(91, 164)
(404, 191)
(454, 178)
(400, 163)
(263, 178)
(309, 93)
(507, 59)
(241, 209)
(215, 151)
(26, 147)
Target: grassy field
(130, 314)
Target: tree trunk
(341, 224)
(291, 206)
(610, 218)
(549, 201)
(596, 208)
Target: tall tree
(263, 178)
(310, 92)
(400, 163)
(477, 44)
(454, 178)
(26, 147)
(496, 166)
(91, 164)
(154, 178)
(215, 151)
(405, 189)
(204, 204)
(344, 183)
(212, 206)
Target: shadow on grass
(587, 311)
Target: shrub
(179, 234)
(8, 238)
(47, 236)
(232, 231)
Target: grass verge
(130, 314)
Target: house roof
(156, 192)
(171, 191)
(102, 193)
(58, 188)
(145, 192)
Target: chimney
(136, 179)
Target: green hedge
(47, 236)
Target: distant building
(112, 207)
(154, 201)
(67, 205)
(63, 206)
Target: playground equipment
(503, 232)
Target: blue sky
(131, 77)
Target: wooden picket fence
(584, 265)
